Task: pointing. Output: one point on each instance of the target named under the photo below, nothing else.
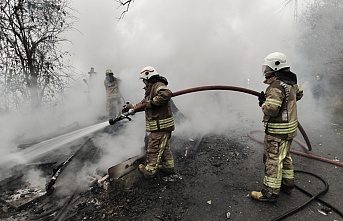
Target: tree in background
(125, 4)
(32, 63)
(321, 42)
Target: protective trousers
(278, 164)
(113, 106)
(158, 152)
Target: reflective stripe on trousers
(158, 151)
(278, 164)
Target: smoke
(191, 43)
(116, 149)
(34, 177)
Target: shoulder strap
(284, 112)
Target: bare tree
(31, 60)
(321, 32)
(125, 4)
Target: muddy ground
(215, 174)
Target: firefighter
(159, 123)
(318, 90)
(280, 122)
(113, 95)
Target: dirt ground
(215, 175)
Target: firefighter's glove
(131, 112)
(299, 93)
(261, 98)
(126, 107)
(111, 121)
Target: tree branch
(127, 4)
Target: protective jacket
(280, 110)
(112, 87)
(158, 113)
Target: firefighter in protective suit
(113, 95)
(280, 122)
(159, 123)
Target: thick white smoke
(191, 43)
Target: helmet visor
(266, 69)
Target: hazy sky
(190, 42)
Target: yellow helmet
(109, 71)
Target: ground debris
(218, 172)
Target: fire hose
(307, 146)
(239, 89)
(244, 90)
(208, 88)
(312, 197)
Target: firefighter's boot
(264, 196)
(166, 170)
(286, 189)
(145, 172)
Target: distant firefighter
(318, 90)
(113, 95)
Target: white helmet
(148, 72)
(275, 61)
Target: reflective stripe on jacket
(158, 116)
(281, 128)
(280, 110)
(163, 124)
